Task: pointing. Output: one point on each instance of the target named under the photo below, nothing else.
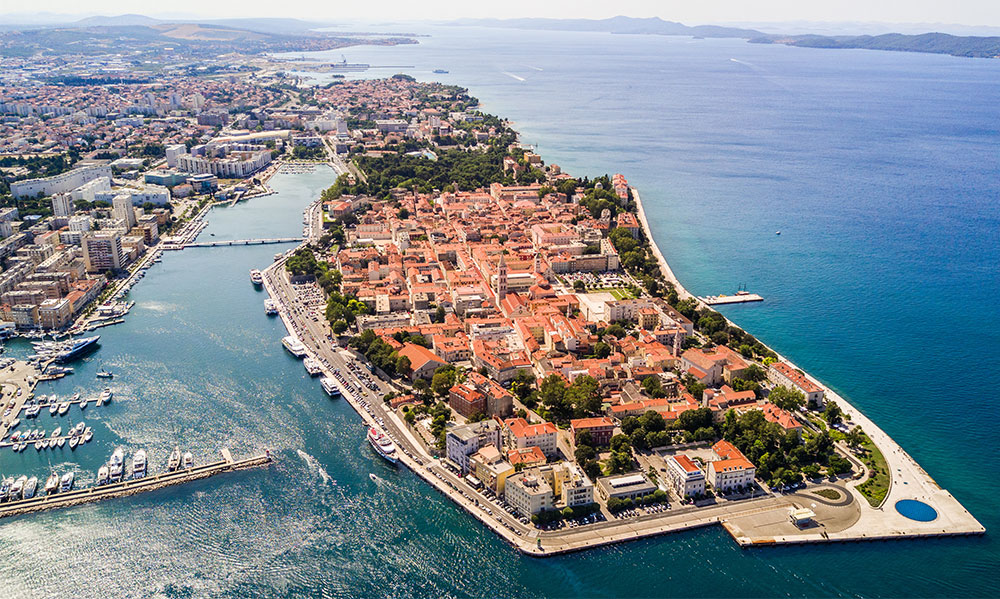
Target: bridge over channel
(226, 242)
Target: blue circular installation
(916, 510)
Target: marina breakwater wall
(129, 487)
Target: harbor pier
(126, 488)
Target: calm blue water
(880, 170)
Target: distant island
(933, 43)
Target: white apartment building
(685, 477)
(463, 441)
(102, 252)
(528, 493)
(67, 181)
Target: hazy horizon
(961, 17)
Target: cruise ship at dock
(382, 445)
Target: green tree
(786, 398)
(833, 414)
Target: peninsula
(511, 333)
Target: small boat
(73, 442)
(30, 487)
(175, 460)
(83, 405)
(38, 445)
(777, 232)
(105, 396)
(270, 307)
(440, 71)
(76, 397)
(66, 484)
(103, 475)
(372, 476)
(57, 432)
(53, 408)
(33, 411)
(139, 464)
(105, 374)
(63, 408)
(5, 486)
(78, 429)
(61, 441)
(52, 484)
(88, 435)
(187, 460)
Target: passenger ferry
(270, 307)
(256, 277)
(330, 386)
(294, 346)
(313, 367)
(383, 445)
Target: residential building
(528, 493)
(685, 477)
(463, 441)
(731, 469)
(601, 429)
(423, 362)
(102, 252)
(62, 205)
(782, 373)
(490, 468)
(518, 434)
(61, 183)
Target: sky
(966, 12)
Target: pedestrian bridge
(223, 242)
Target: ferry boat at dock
(270, 307)
(256, 277)
(313, 367)
(294, 346)
(329, 386)
(382, 445)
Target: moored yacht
(103, 475)
(117, 464)
(66, 484)
(270, 307)
(175, 460)
(187, 460)
(17, 488)
(5, 486)
(52, 484)
(105, 396)
(30, 487)
(139, 464)
(63, 408)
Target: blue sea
(882, 172)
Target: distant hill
(118, 21)
(619, 24)
(936, 43)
